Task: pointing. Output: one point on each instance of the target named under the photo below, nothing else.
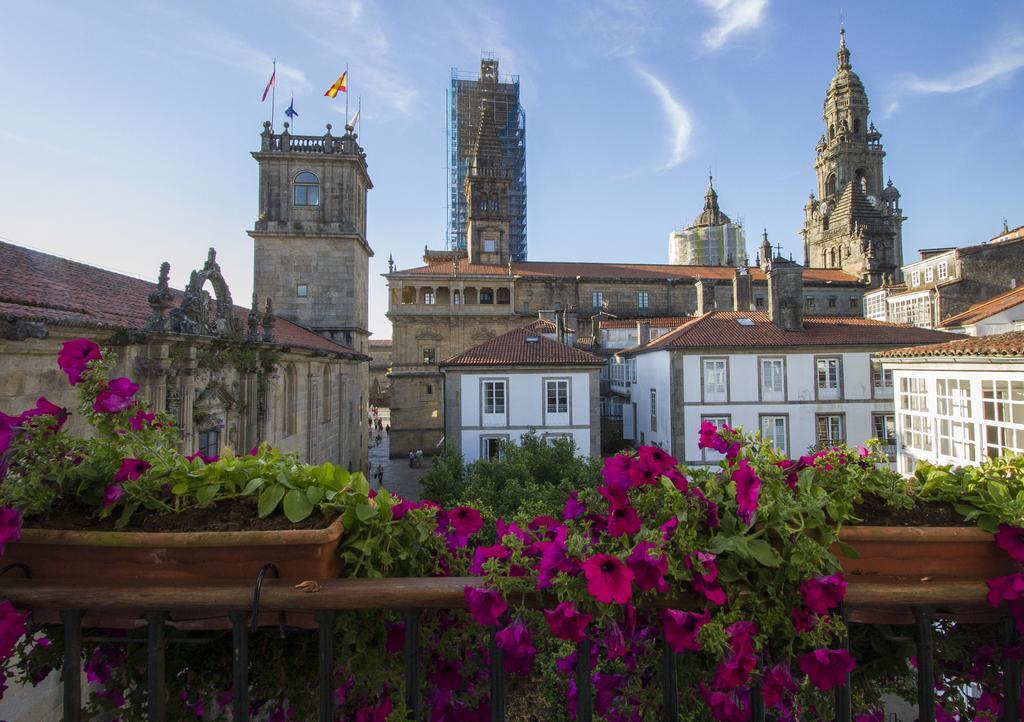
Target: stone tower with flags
(854, 223)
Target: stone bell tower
(486, 189)
(311, 253)
(855, 221)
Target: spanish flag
(340, 84)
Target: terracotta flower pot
(922, 554)
(176, 557)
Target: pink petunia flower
(790, 466)
(482, 554)
(12, 628)
(380, 713)
(111, 494)
(44, 407)
(568, 623)
(681, 628)
(10, 526)
(732, 706)
(118, 396)
(643, 473)
(515, 641)
(142, 420)
(616, 470)
(656, 457)
(573, 508)
(1011, 540)
(74, 356)
(827, 668)
(485, 605)
(803, 621)
(623, 521)
(821, 594)
(777, 686)
(608, 579)
(736, 668)
(748, 489)
(465, 520)
(1008, 588)
(648, 571)
(705, 574)
(131, 469)
(446, 675)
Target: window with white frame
(915, 423)
(1003, 416)
(490, 447)
(881, 378)
(774, 431)
(773, 379)
(428, 297)
(883, 428)
(830, 429)
(597, 299)
(654, 410)
(557, 394)
(716, 379)
(827, 373)
(953, 418)
(643, 299)
(929, 274)
(915, 278)
(943, 270)
(719, 421)
(494, 398)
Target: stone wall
(985, 273)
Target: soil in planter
(233, 515)
(874, 512)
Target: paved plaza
(398, 477)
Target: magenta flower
(74, 357)
(875, 715)
(681, 628)
(608, 579)
(710, 507)
(821, 594)
(1011, 540)
(705, 574)
(380, 713)
(941, 715)
(131, 469)
(10, 527)
(803, 620)
(623, 521)
(616, 471)
(482, 554)
(465, 520)
(710, 438)
(142, 420)
(573, 508)
(553, 558)
(729, 706)
(44, 407)
(607, 688)
(679, 481)
(118, 396)
(648, 571)
(643, 472)
(656, 457)
(748, 488)
(669, 528)
(515, 641)
(111, 494)
(12, 628)
(1008, 588)
(568, 623)
(7, 424)
(792, 467)
(202, 457)
(485, 605)
(827, 668)
(735, 669)
(777, 685)
(446, 675)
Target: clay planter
(190, 558)
(922, 554)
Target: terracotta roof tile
(381, 342)
(987, 308)
(513, 349)
(654, 322)
(625, 271)
(37, 286)
(721, 329)
(1002, 344)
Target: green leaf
(285, 480)
(270, 497)
(180, 488)
(252, 485)
(364, 512)
(847, 550)
(126, 514)
(206, 494)
(296, 506)
(314, 494)
(763, 552)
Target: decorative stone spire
(844, 53)
(391, 263)
(268, 322)
(253, 331)
(766, 248)
(161, 299)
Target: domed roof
(845, 80)
(711, 215)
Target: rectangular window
(758, 301)
(209, 442)
(490, 245)
(597, 299)
(1003, 417)
(881, 378)
(883, 428)
(718, 421)
(915, 423)
(428, 356)
(809, 303)
(953, 418)
(929, 274)
(430, 389)
(830, 429)
(302, 290)
(643, 300)
(526, 308)
(828, 370)
(428, 298)
(943, 270)
(557, 393)
(486, 296)
(457, 297)
(716, 382)
(854, 302)
(833, 301)
(773, 379)
(654, 410)
(774, 431)
(490, 447)
(915, 278)
(494, 397)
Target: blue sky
(127, 127)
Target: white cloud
(231, 51)
(732, 16)
(676, 114)
(1005, 58)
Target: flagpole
(346, 92)
(359, 113)
(273, 94)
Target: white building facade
(960, 402)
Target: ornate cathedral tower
(486, 189)
(855, 222)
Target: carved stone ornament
(196, 315)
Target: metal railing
(919, 602)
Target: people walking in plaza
(379, 476)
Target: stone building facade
(228, 376)
(855, 221)
(380, 366)
(711, 240)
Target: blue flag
(290, 112)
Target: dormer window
(307, 189)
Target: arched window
(833, 258)
(325, 395)
(830, 185)
(494, 203)
(824, 223)
(307, 189)
(291, 401)
(457, 297)
(862, 179)
(832, 132)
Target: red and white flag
(270, 84)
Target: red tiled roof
(655, 322)
(987, 308)
(381, 342)
(37, 286)
(1013, 236)
(1002, 344)
(512, 349)
(720, 329)
(609, 271)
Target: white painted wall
(525, 409)
(653, 372)
(1012, 319)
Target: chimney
(741, 290)
(643, 333)
(560, 326)
(705, 295)
(786, 294)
